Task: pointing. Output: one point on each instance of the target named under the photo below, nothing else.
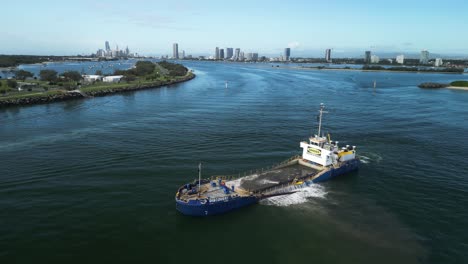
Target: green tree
(72, 75)
(22, 74)
(48, 75)
(144, 67)
(4, 90)
(12, 83)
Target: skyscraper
(424, 58)
(175, 51)
(328, 55)
(107, 46)
(221, 54)
(183, 54)
(237, 54)
(216, 53)
(367, 58)
(229, 53)
(287, 54)
(127, 51)
(255, 56)
(400, 59)
(241, 56)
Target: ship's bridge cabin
(323, 152)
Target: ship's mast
(199, 178)
(322, 106)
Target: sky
(73, 27)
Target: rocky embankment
(79, 95)
(431, 85)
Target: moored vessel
(321, 160)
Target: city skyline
(348, 31)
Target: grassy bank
(145, 75)
(459, 84)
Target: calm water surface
(94, 180)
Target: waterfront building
(287, 54)
(216, 57)
(112, 79)
(424, 58)
(249, 56)
(328, 55)
(367, 58)
(100, 53)
(91, 78)
(255, 56)
(236, 54)
(183, 54)
(400, 59)
(107, 46)
(175, 51)
(375, 59)
(229, 53)
(241, 56)
(438, 62)
(221, 54)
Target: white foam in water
(364, 159)
(300, 196)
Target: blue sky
(267, 27)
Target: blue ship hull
(204, 207)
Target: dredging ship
(321, 160)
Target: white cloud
(294, 45)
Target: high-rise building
(175, 51)
(127, 51)
(438, 62)
(236, 54)
(249, 56)
(107, 46)
(241, 56)
(216, 53)
(375, 59)
(367, 58)
(287, 54)
(328, 55)
(424, 58)
(255, 56)
(400, 59)
(229, 53)
(221, 54)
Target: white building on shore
(438, 62)
(112, 79)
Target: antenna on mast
(322, 106)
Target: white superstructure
(321, 150)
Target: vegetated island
(25, 89)
(459, 85)
(390, 69)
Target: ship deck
(271, 178)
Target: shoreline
(61, 95)
(457, 88)
(362, 70)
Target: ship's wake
(300, 195)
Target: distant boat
(226, 84)
(375, 84)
